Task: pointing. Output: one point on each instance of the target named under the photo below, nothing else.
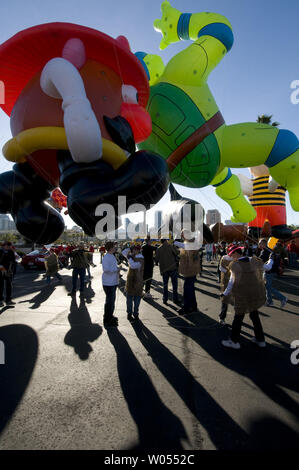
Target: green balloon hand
(167, 25)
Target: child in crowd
(134, 283)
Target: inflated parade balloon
(269, 200)
(76, 100)
(188, 129)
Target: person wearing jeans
(166, 258)
(148, 252)
(189, 267)
(209, 251)
(173, 275)
(190, 304)
(269, 275)
(79, 265)
(134, 282)
(110, 280)
(271, 291)
(224, 278)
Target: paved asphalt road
(165, 383)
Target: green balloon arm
(230, 191)
(176, 26)
(198, 21)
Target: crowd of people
(246, 272)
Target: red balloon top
(26, 53)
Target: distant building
(158, 221)
(213, 216)
(6, 224)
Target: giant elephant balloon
(76, 100)
(188, 129)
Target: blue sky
(254, 78)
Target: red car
(36, 259)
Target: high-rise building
(158, 221)
(213, 217)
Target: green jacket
(79, 258)
(167, 257)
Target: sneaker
(130, 317)
(10, 302)
(165, 302)
(283, 302)
(230, 344)
(136, 316)
(261, 344)
(222, 322)
(269, 304)
(147, 295)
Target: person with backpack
(271, 291)
(52, 266)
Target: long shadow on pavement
(223, 431)
(158, 427)
(20, 353)
(82, 331)
(269, 369)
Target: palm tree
(265, 119)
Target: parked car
(36, 259)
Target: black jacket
(7, 259)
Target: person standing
(110, 281)
(7, 260)
(91, 251)
(148, 254)
(79, 265)
(247, 287)
(209, 251)
(16, 261)
(134, 282)
(292, 254)
(189, 267)
(264, 255)
(166, 257)
(52, 266)
(224, 278)
(214, 250)
(102, 252)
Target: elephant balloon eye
(129, 94)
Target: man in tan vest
(247, 287)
